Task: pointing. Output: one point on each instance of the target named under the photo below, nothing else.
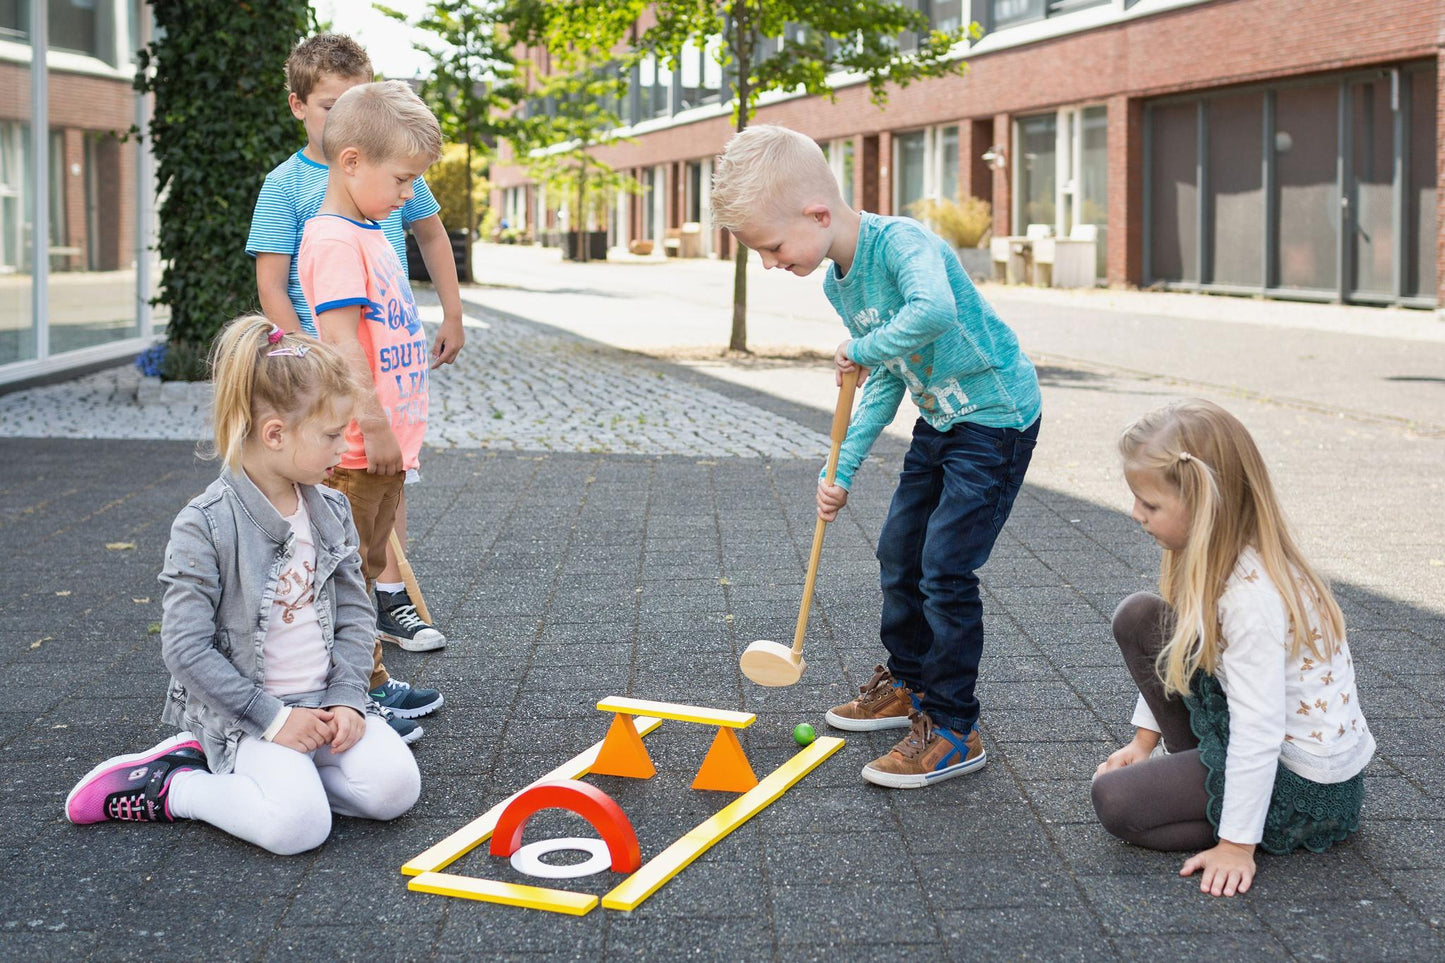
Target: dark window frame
(1342, 291)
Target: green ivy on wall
(217, 69)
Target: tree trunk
(465, 275)
(743, 58)
(581, 225)
(739, 339)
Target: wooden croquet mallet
(408, 578)
(772, 663)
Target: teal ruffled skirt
(1301, 812)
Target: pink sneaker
(134, 788)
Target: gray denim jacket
(228, 547)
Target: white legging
(282, 800)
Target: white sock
(391, 587)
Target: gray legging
(1159, 803)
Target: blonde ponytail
(258, 370)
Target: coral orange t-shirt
(344, 263)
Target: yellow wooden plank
(479, 830)
(630, 893)
(508, 894)
(672, 710)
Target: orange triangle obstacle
(623, 754)
(725, 768)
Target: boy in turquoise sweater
(918, 327)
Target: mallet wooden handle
(841, 414)
(408, 577)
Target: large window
(1235, 195)
(654, 89)
(699, 75)
(1090, 181)
(946, 15)
(1174, 192)
(840, 160)
(74, 26)
(1062, 176)
(925, 164)
(1037, 169)
(948, 163)
(1372, 163)
(1420, 218)
(75, 270)
(912, 166)
(17, 199)
(1322, 189)
(1306, 140)
(1008, 13)
(15, 20)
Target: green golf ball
(803, 734)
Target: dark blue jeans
(956, 491)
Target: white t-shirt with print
(294, 650)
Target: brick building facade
(1247, 146)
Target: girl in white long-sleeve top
(1242, 665)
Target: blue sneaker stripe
(957, 758)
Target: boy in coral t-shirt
(379, 138)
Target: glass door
(1306, 152)
(1369, 204)
(1037, 173)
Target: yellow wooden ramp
(674, 859)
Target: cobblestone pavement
(522, 387)
(563, 575)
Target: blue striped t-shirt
(292, 195)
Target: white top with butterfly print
(295, 653)
(1301, 712)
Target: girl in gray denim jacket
(267, 628)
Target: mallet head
(771, 664)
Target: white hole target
(528, 859)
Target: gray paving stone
(628, 533)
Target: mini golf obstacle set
(620, 753)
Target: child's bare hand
(383, 451)
(831, 499)
(305, 730)
(1228, 868)
(348, 726)
(1129, 754)
(842, 364)
(448, 343)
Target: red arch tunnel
(584, 799)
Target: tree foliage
(821, 38)
(473, 88)
(217, 70)
(555, 144)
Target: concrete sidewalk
(571, 557)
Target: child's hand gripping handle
(841, 415)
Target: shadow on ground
(562, 579)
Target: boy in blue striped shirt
(918, 327)
(319, 70)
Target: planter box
(596, 249)
(416, 266)
(977, 262)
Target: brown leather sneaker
(884, 703)
(927, 755)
